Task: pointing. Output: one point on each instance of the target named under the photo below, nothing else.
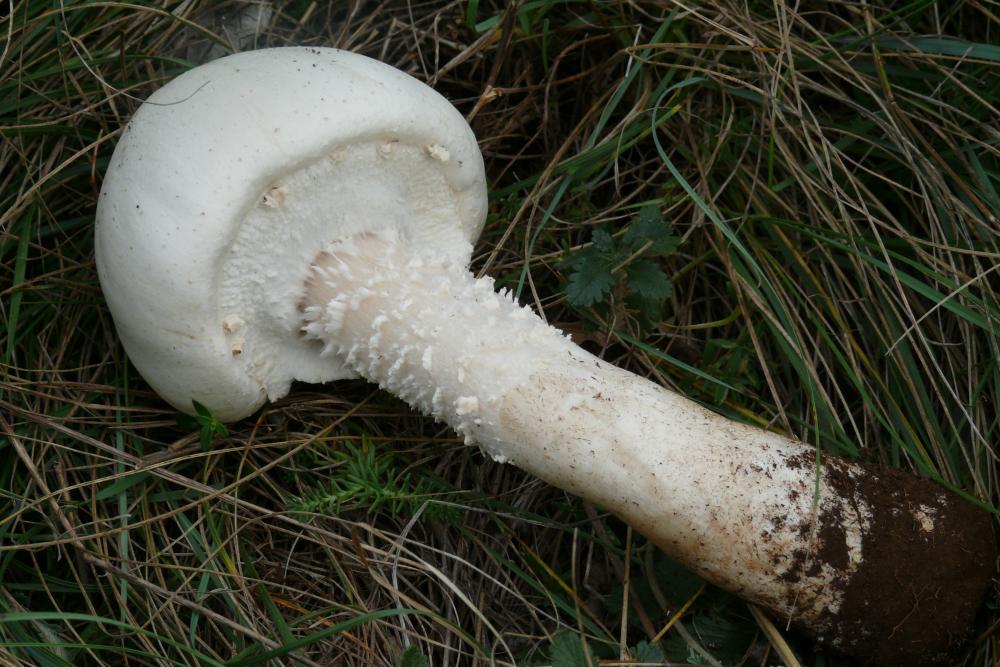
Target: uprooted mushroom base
(925, 551)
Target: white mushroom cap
(232, 178)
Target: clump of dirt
(928, 557)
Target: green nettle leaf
(649, 226)
(590, 281)
(413, 657)
(646, 279)
(571, 650)
(590, 270)
(665, 246)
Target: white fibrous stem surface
(737, 504)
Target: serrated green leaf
(603, 242)
(664, 247)
(646, 652)
(646, 279)
(648, 223)
(590, 281)
(571, 650)
(413, 657)
(577, 259)
(724, 630)
(648, 226)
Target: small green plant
(379, 479)
(733, 363)
(627, 260)
(570, 650)
(413, 657)
(204, 419)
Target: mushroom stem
(751, 511)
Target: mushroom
(309, 214)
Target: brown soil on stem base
(928, 559)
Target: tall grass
(829, 173)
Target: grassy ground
(829, 174)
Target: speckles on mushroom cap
(220, 145)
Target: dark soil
(915, 596)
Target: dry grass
(831, 169)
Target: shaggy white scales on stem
(733, 502)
